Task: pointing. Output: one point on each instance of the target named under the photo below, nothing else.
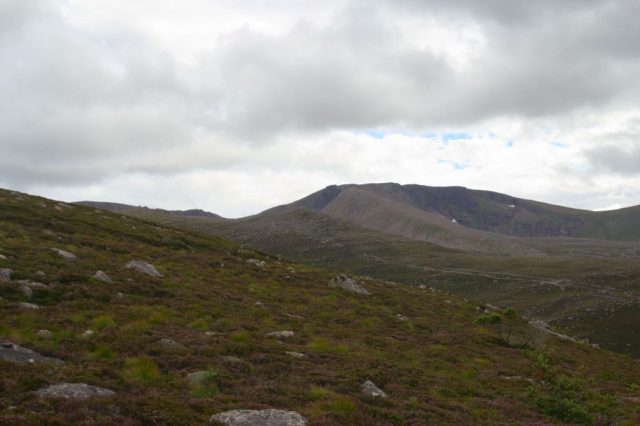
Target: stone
(44, 334)
(372, 391)
(144, 267)
(87, 334)
(257, 263)
(284, 334)
(5, 275)
(171, 345)
(78, 391)
(26, 290)
(102, 276)
(19, 355)
(268, 417)
(258, 303)
(3, 257)
(65, 254)
(40, 274)
(344, 282)
(402, 317)
(295, 354)
(25, 305)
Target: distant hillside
(191, 335)
(417, 211)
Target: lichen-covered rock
(344, 282)
(295, 354)
(73, 391)
(14, 353)
(269, 417)
(25, 305)
(284, 334)
(144, 267)
(102, 276)
(372, 391)
(65, 254)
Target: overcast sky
(235, 106)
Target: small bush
(102, 322)
(142, 369)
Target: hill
(210, 309)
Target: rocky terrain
(109, 319)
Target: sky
(235, 106)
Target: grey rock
(269, 417)
(102, 276)
(78, 391)
(14, 353)
(402, 317)
(144, 267)
(344, 282)
(284, 334)
(44, 334)
(40, 274)
(25, 305)
(3, 257)
(65, 254)
(171, 345)
(5, 275)
(372, 391)
(26, 290)
(32, 284)
(257, 263)
(295, 354)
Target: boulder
(344, 282)
(87, 334)
(78, 391)
(295, 354)
(25, 305)
(372, 391)
(102, 276)
(144, 267)
(257, 263)
(401, 317)
(19, 355)
(5, 275)
(269, 417)
(26, 290)
(284, 334)
(65, 254)
(3, 257)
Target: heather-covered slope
(422, 347)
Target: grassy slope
(588, 288)
(438, 367)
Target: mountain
(419, 212)
(587, 287)
(179, 327)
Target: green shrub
(142, 369)
(102, 322)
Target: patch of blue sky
(455, 136)
(457, 165)
(510, 143)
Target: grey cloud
(612, 159)
(87, 105)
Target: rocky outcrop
(372, 391)
(269, 417)
(257, 263)
(19, 355)
(144, 267)
(78, 391)
(346, 283)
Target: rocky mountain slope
(109, 319)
